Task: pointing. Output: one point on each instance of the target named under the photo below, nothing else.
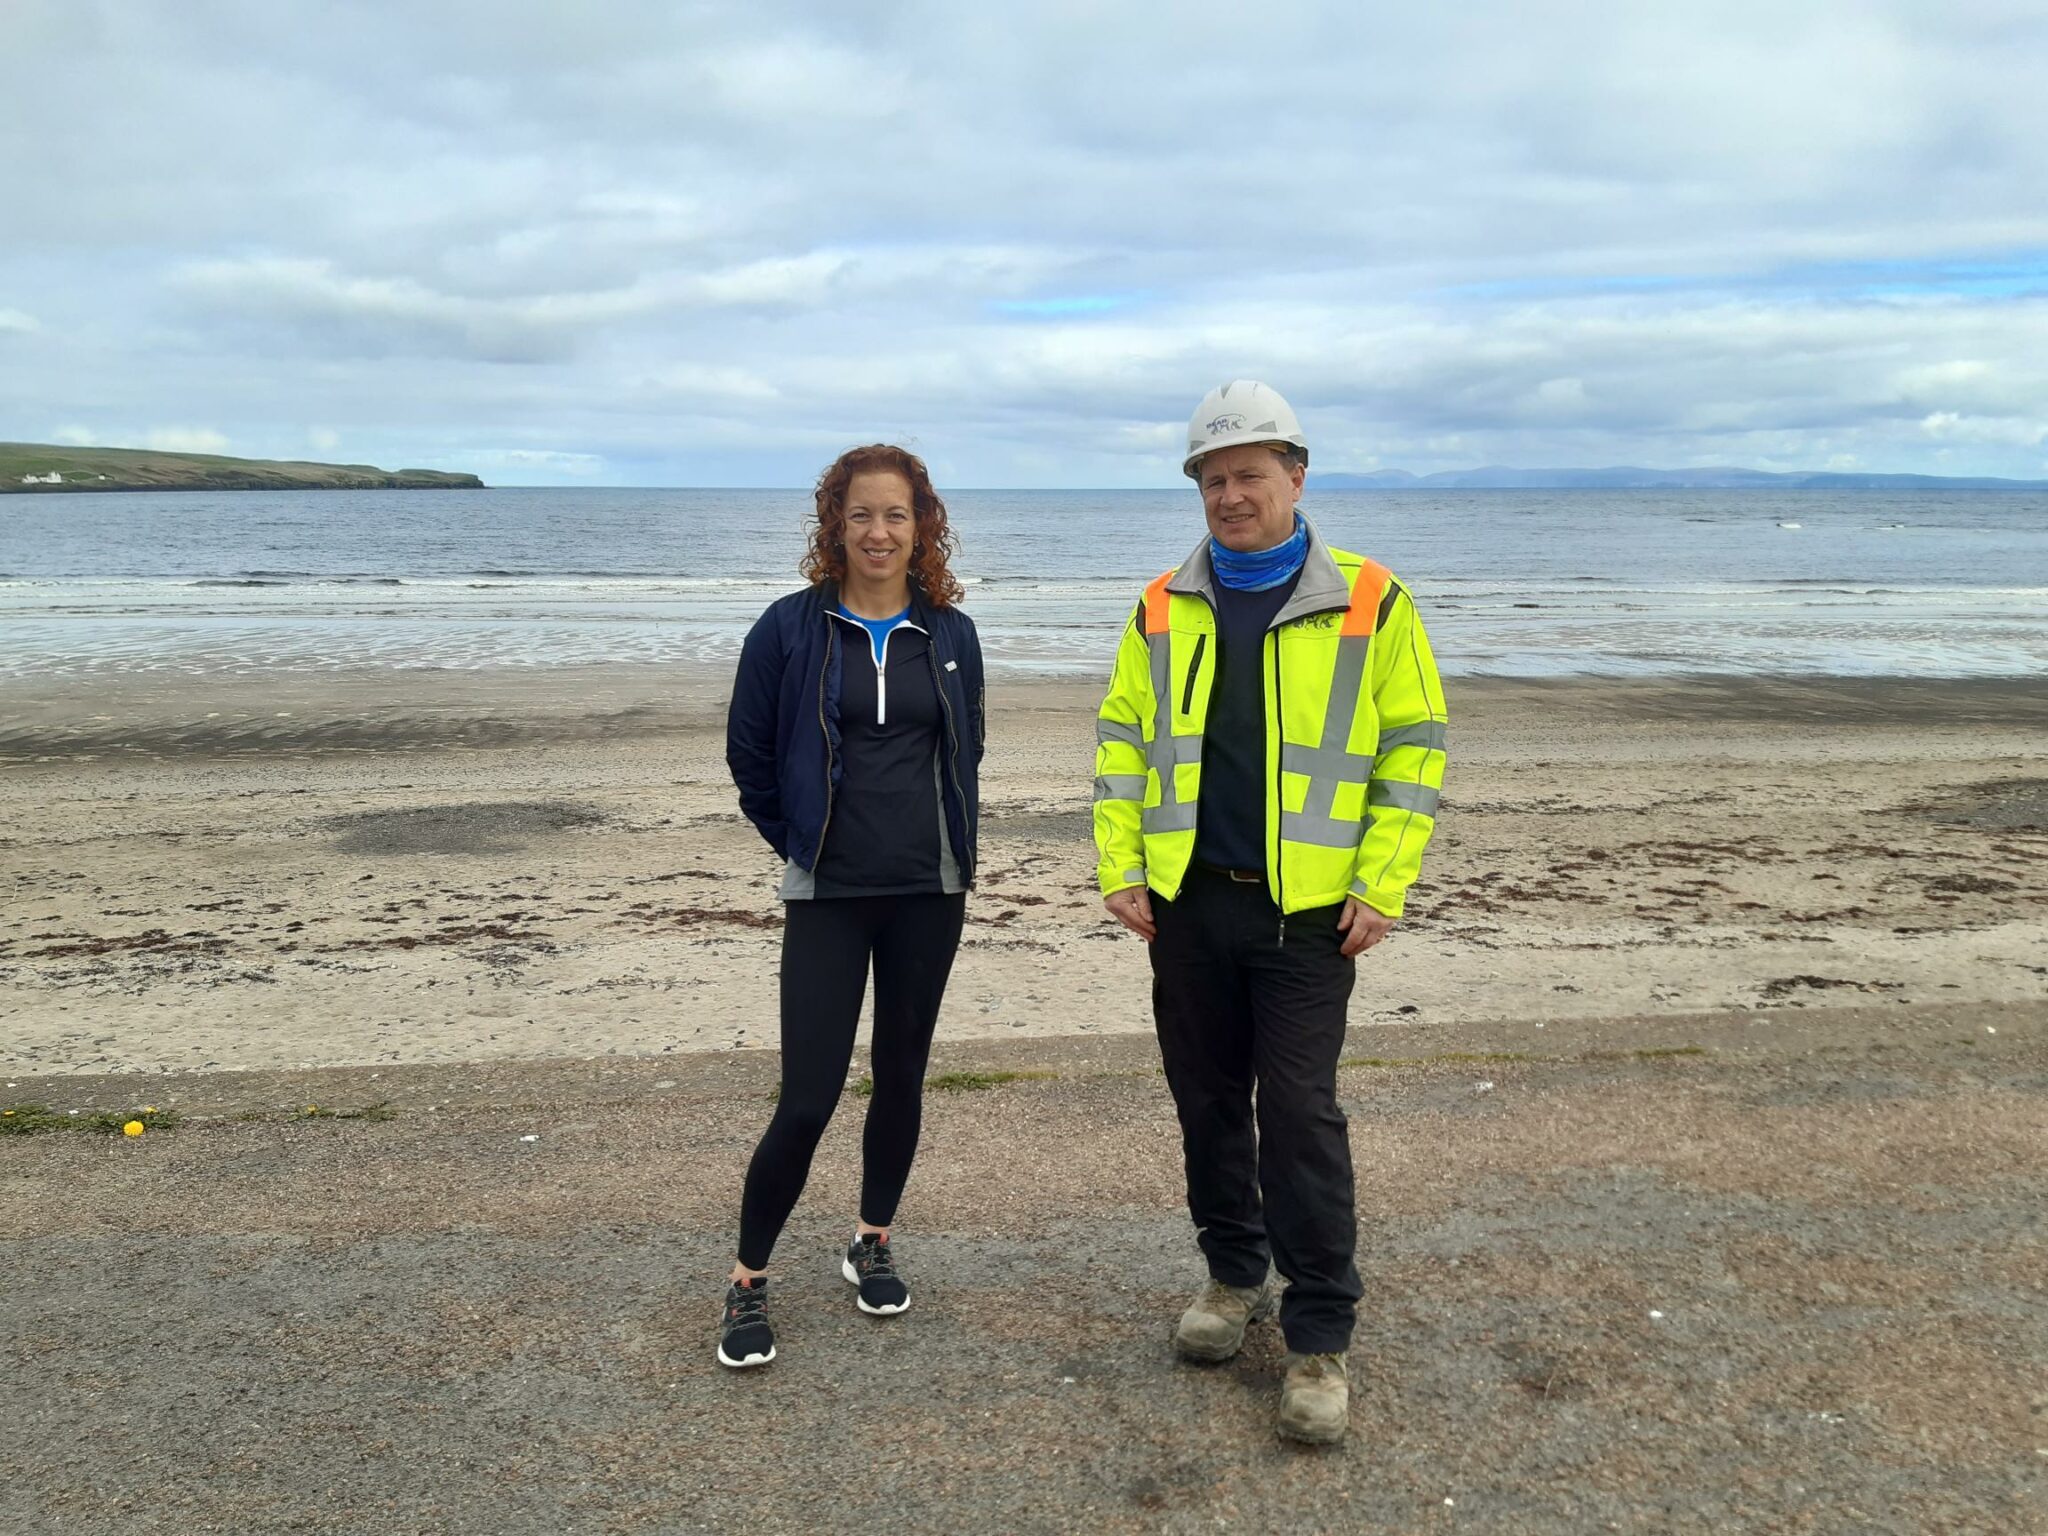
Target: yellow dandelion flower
(132, 1128)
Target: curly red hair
(931, 571)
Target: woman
(855, 732)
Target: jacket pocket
(1187, 692)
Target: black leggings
(826, 947)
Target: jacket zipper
(881, 665)
(1279, 842)
(1187, 694)
(882, 682)
(823, 672)
(1280, 737)
(931, 653)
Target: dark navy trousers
(1250, 1027)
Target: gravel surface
(1791, 1280)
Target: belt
(1241, 876)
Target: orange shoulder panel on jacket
(1157, 603)
(1367, 588)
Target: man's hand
(1133, 908)
(1361, 926)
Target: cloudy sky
(712, 244)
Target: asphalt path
(1775, 1271)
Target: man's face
(1248, 495)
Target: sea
(1928, 584)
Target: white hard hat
(1242, 411)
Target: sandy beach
(403, 867)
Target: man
(1268, 762)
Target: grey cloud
(711, 237)
(379, 315)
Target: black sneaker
(744, 1337)
(867, 1266)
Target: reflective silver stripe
(1320, 762)
(1429, 735)
(1135, 876)
(1170, 818)
(1419, 798)
(1117, 730)
(1120, 786)
(1160, 652)
(1165, 750)
(1332, 762)
(1360, 889)
(1320, 831)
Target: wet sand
(375, 868)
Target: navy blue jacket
(782, 730)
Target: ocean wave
(1455, 590)
(607, 574)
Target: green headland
(49, 467)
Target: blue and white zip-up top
(879, 631)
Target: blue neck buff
(1265, 569)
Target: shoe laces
(746, 1304)
(873, 1259)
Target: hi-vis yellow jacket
(1354, 735)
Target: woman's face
(881, 526)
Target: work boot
(1315, 1404)
(1212, 1328)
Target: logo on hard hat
(1223, 424)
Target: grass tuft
(31, 1119)
(383, 1109)
(955, 1082)
(974, 1082)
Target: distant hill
(1497, 478)
(46, 467)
